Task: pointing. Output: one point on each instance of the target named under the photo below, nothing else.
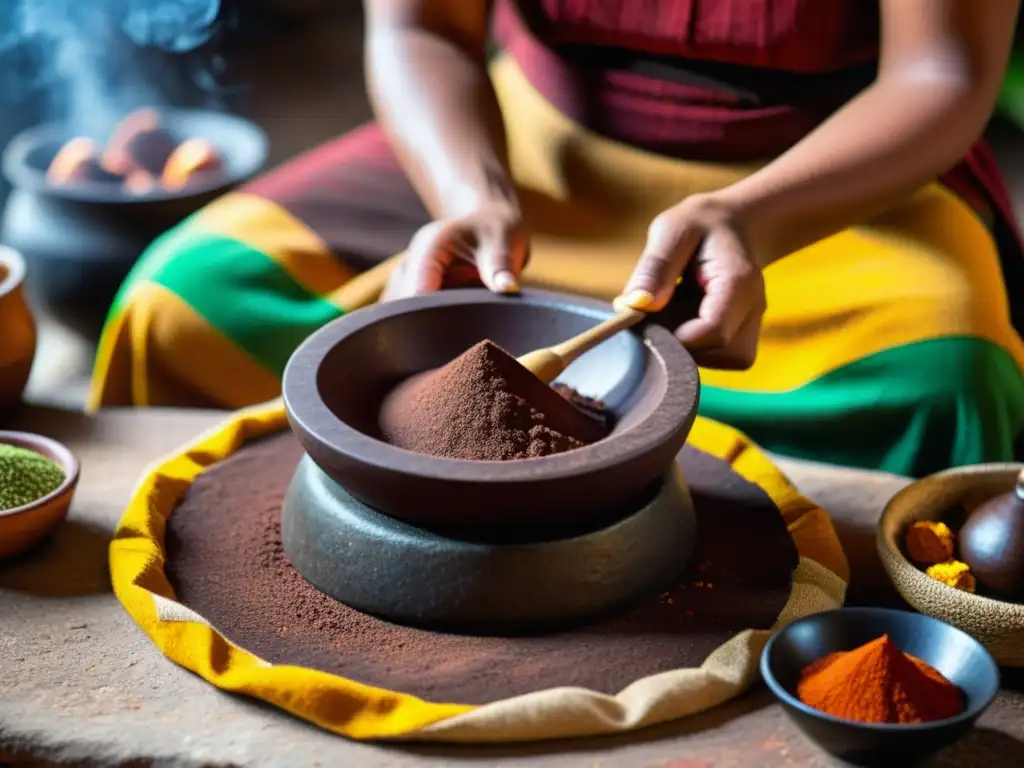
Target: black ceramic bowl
(80, 241)
(958, 656)
(242, 146)
(334, 382)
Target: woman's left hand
(706, 228)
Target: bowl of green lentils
(38, 477)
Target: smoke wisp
(92, 61)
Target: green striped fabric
(159, 252)
(899, 410)
(240, 291)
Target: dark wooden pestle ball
(992, 543)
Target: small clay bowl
(17, 330)
(335, 381)
(959, 657)
(997, 624)
(25, 526)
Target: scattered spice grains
(25, 476)
(596, 409)
(954, 573)
(484, 406)
(878, 683)
(929, 543)
(226, 561)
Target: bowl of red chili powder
(877, 684)
(544, 460)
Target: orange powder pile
(878, 683)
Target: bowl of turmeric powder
(877, 684)
(918, 540)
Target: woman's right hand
(488, 246)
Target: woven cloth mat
(197, 561)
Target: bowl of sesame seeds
(38, 477)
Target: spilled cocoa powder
(484, 406)
(225, 561)
(595, 409)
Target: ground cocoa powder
(595, 409)
(484, 406)
(225, 561)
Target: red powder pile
(879, 683)
(484, 406)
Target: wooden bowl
(334, 382)
(998, 625)
(17, 330)
(25, 526)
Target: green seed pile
(25, 476)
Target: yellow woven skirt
(886, 346)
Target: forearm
(435, 101)
(891, 140)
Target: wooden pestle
(547, 364)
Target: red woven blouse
(717, 80)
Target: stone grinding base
(525, 579)
(225, 561)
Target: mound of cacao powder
(226, 562)
(485, 406)
(595, 409)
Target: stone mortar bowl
(334, 383)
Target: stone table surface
(81, 684)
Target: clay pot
(17, 330)
(335, 381)
(992, 543)
(80, 241)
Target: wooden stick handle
(572, 348)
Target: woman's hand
(431, 93)
(707, 229)
(488, 246)
(940, 69)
